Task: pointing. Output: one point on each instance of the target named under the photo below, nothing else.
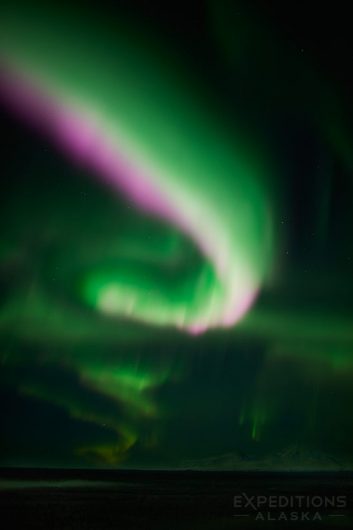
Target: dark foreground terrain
(102, 500)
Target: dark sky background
(79, 388)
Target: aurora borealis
(105, 136)
(176, 242)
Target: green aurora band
(140, 129)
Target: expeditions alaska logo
(289, 507)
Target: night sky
(176, 235)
